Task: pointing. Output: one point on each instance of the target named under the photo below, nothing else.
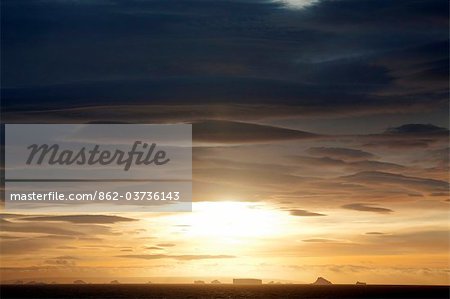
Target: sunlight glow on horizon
(234, 220)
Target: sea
(222, 291)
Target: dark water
(160, 291)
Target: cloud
(237, 132)
(340, 153)
(9, 237)
(67, 257)
(244, 176)
(39, 228)
(318, 240)
(45, 231)
(439, 158)
(390, 179)
(408, 136)
(81, 219)
(431, 240)
(400, 144)
(166, 245)
(418, 129)
(27, 246)
(304, 213)
(429, 62)
(298, 4)
(62, 261)
(332, 163)
(400, 243)
(337, 15)
(346, 64)
(9, 215)
(366, 208)
(439, 194)
(185, 257)
(153, 248)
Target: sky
(320, 134)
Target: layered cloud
(340, 153)
(94, 219)
(184, 257)
(397, 180)
(304, 213)
(221, 60)
(236, 132)
(332, 113)
(367, 208)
